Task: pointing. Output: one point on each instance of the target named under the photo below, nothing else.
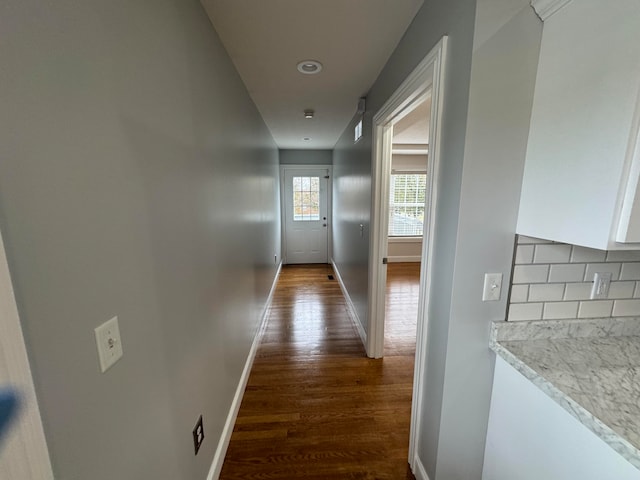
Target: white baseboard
(225, 437)
(419, 470)
(351, 309)
(404, 258)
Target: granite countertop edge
(609, 436)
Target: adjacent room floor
(315, 406)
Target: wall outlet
(601, 284)
(198, 435)
(108, 343)
(492, 287)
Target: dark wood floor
(315, 407)
(403, 283)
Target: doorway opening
(407, 197)
(424, 84)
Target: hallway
(315, 406)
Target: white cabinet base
(531, 437)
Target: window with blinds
(406, 204)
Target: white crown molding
(545, 8)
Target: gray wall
(305, 157)
(136, 179)
(501, 95)
(352, 208)
(485, 125)
(435, 19)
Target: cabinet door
(629, 226)
(583, 111)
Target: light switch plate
(108, 343)
(492, 287)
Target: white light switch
(109, 343)
(492, 287)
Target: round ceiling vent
(309, 67)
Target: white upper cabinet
(583, 156)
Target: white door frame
(283, 212)
(24, 452)
(429, 75)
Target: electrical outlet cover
(601, 284)
(109, 343)
(198, 435)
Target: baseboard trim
(404, 258)
(225, 437)
(351, 309)
(419, 470)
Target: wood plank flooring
(403, 284)
(315, 407)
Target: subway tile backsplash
(553, 281)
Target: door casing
(428, 76)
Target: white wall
(408, 163)
(531, 437)
(137, 179)
(305, 157)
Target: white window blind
(406, 204)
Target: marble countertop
(591, 368)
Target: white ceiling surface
(353, 39)
(413, 129)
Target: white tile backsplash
(525, 311)
(593, 268)
(587, 255)
(546, 292)
(554, 253)
(519, 293)
(623, 256)
(630, 271)
(567, 273)
(595, 309)
(626, 308)
(554, 280)
(530, 273)
(556, 310)
(622, 289)
(524, 254)
(577, 291)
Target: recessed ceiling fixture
(309, 67)
(306, 139)
(308, 113)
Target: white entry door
(306, 222)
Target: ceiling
(353, 39)
(413, 129)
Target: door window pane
(306, 199)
